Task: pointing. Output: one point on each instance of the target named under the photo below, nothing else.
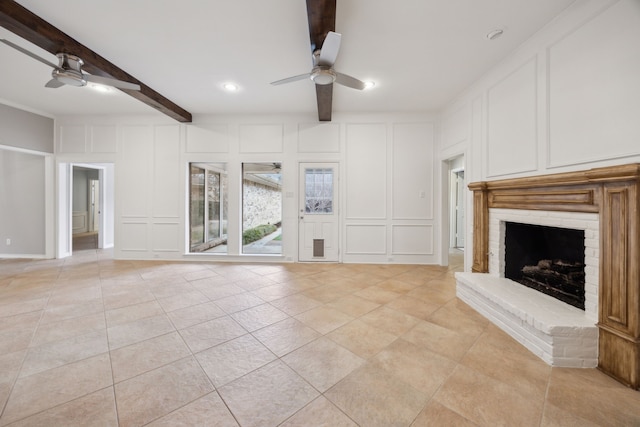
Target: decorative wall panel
(594, 89)
(366, 239)
(207, 138)
(366, 194)
(73, 139)
(261, 138)
(512, 123)
(413, 171)
(412, 240)
(103, 139)
(318, 138)
(166, 167)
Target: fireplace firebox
(547, 259)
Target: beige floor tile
(135, 359)
(177, 302)
(362, 339)
(275, 291)
(486, 401)
(97, 409)
(436, 415)
(209, 410)
(529, 371)
(58, 353)
(239, 302)
(157, 393)
(396, 285)
(440, 340)
(323, 363)
(421, 368)
(208, 334)
(168, 290)
(414, 307)
(353, 305)
(267, 396)
(56, 386)
(138, 330)
(55, 331)
(377, 294)
(325, 293)
(125, 295)
(593, 395)
(15, 339)
(324, 319)
(285, 336)
(9, 368)
(215, 291)
(554, 416)
(22, 306)
(459, 317)
(433, 295)
(320, 412)
(373, 397)
(389, 320)
(258, 317)
(231, 360)
(72, 311)
(295, 304)
(133, 312)
(189, 316)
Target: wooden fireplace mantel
(613, 193)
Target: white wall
(387, 193)
(568, 99)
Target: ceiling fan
(69, 71)
(325, 45)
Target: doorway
(457, 209)
(319, 228)
(85, 207)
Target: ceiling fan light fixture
(323, 76)
(369, 84)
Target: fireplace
(547, 259)
(612, 272)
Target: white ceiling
(421, 53)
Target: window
(208, 207)
(318, 194)
(261, 208)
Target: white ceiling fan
(323, 72)
(69, 71)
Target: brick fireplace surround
(614, 194)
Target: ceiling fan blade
(330, 49)
(26, 52)
(54, 84)
(349, 81)
(291, 79)
(107, 81)
(324, 95)
(321, 15)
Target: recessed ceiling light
(369, 84)
(492, 35)
(230, 87)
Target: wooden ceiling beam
(36, 30)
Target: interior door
(318, 230)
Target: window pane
(261, 208)
(318, 191)
(208, 207)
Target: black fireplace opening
(548, 259)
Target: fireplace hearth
(547, 259)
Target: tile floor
(92, 341)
